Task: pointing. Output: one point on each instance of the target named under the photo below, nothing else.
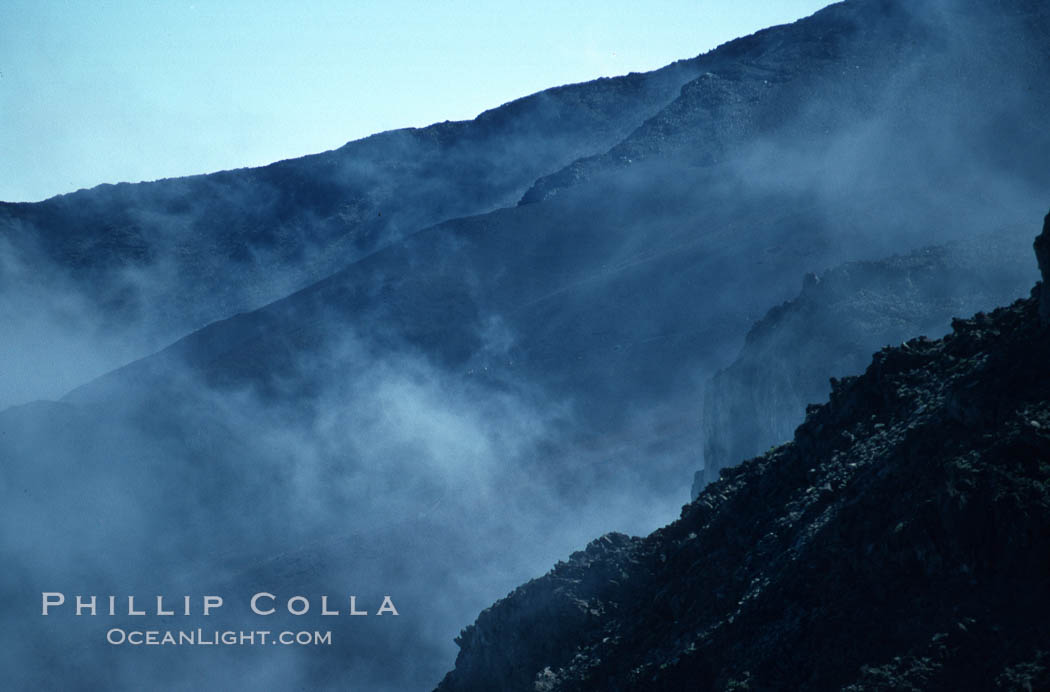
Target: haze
(111, 92)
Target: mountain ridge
(900, 541)
(155, 260)
(483, 395)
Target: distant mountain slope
(612, 313)
(849, 107)
(489, 392)
(901, 541)
(580, 303)
(829, 91)
(588, 297)
(832, 327)
(119, 270)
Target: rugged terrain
(832, 327)
(900, 541)
(460, 400)
(586, 296)
(842, 113)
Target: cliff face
(833, 326)
(900, 541)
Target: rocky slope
(900, 541)
(832, 327)
(755, 97)
(586, 297)
(844, 110)
(486, 393)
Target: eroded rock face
(833, 326)
(900, 541)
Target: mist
(393, 478)
(375, 372)
(141, 265)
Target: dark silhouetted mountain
(487, 393)
(831, 329)
(900, 541)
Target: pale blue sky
(97, 91)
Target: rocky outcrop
(900, 541)
(547, 622)
(836, 322)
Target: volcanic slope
(845, 113)
(900, 541)
(831, 328)
(118, 271)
